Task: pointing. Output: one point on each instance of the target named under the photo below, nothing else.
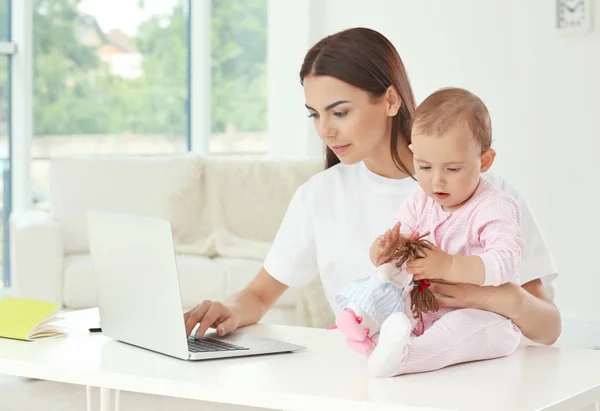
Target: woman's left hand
(451, 295)
(502, 299)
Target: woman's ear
(487, 159)
(393, 101)
(410, 147)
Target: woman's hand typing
(211, 314)
(243, 308)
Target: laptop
(139, 297)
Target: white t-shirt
(333, 219)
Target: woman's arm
(537, 314)
(243, 308)
(253, 302)
(527, 306)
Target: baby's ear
(487, 159)
(410, 147)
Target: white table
(326, 376)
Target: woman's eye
(424, 168)
(313, 115)
(340, 113)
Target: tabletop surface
(325, 375)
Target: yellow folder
(28, 320)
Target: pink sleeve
(407, 216)
(407, 213)
(500, 235)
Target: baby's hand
(435, 264)
(375, 251)
(383, 248)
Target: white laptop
(138, 292)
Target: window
(110, 77)
(4, 20)
(4, 168)
(239, 76)
(5, 206)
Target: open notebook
(29, 320)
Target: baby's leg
(459, 336)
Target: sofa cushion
(159, 187)
(200, 278)
(250, 197)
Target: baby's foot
(390, 351)
(364, 347)
(350, 324)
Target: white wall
(293, 27)
(542, 90)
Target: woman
(360, 99)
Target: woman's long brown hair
(366, 59)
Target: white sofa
(224, 213)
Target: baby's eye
(454, 170)
(424, 168)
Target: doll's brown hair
(422, 299)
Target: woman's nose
(325, 130)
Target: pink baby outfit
(488, 226)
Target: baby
(474, 229)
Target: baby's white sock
(391, 348)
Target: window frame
(18, 50)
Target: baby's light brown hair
(447, 107)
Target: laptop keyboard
(210, 345)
